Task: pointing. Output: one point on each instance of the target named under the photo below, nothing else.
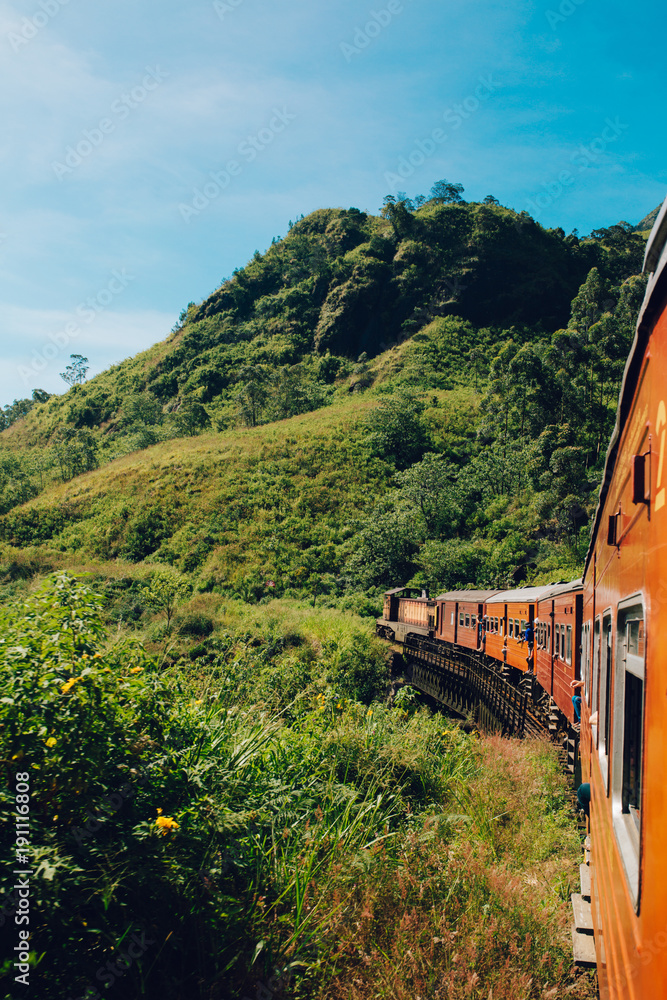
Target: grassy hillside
(422, 395)
(265, 821)
(220, 756)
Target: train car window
(586, 659)
(568, 644)
(557, 640)
(595, 679)
(628, 737)
(467, 621)
(606, 668)
(511, 631)
(473, 621)
(523, 624)
(451, 620)
(461, 618)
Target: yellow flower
(51, 742)
(69, 685)
(159, 812)
(166, 823)
(136, 670)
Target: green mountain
(483, 354)
(647, 223)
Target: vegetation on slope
(255, 820)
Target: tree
(585, 308)
(75, 451)
(75, 374)
(192, 418)
(40, 395)
(252, 393)
(490, 200)
(445, 193)
(397, 210)
(397, 431)
(165, 592)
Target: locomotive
(606, 633)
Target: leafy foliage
(171, 812)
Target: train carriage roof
(524, 594)
(557, 589)
(469, 596)
(655, 265)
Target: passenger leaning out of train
(576, 698)
(528, 634)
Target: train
(590, 657)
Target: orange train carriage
(460, 614)
(624, 653)
(507, 615)
(558, 643)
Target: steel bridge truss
(460, 680)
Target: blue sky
(118, 117)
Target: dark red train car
(624, 718)
(558, 642)
(507, 614)
(461, 617)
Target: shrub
(194, 624)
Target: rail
(463, 682)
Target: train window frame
(586, 659)
(557, 640)
(595, 677)
(627, 822)
(452, 618)
(605, 703)
(467, 625)
(568, 645)
(511, 628)
(517, 630)
(462, 619)
(473, 621)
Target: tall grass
(359, 850)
